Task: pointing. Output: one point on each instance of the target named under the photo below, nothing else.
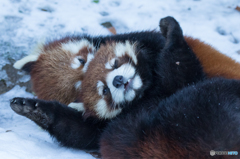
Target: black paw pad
(23, 106)
(32, 109)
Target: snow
(24, 22)
(21, 138)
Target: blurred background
(25, 22)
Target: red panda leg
(64, 123)
(178, 66)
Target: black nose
(118, 81)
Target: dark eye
(115, 66)
(105, 90)
(82, 61)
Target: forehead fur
(75, 46)
(126, 48)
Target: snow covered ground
(24, 22)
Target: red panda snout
(123, 89)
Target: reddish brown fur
(156, 146)
(52, 76)
(214, 63)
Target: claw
(24, 102)
(36, 105)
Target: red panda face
(58, 68)
(111, 80)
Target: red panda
(155, 122)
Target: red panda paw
(171, 29)
(31, 108)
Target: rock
(14, 77)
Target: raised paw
(30, 108)
(170, 28)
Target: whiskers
(127, 69)
(114, 94)
(117, 97)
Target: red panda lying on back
(57, 67)
(155, 122)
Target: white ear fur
(31, 57)
(78, 106)
(20, 63)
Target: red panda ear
(28, 67)
(26, 63)
(78, 100)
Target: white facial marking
(20, 63)
(122, 49)
(100, 86)
(118, 96)
(76, 63)
(130, 95)
(109, 64)
(75, 46)
(125, 70)
(137, 82)
(78, 85)
(103, 111)
(78, 106)
(101, 108)
(89, 59)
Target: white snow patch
(22, 138)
